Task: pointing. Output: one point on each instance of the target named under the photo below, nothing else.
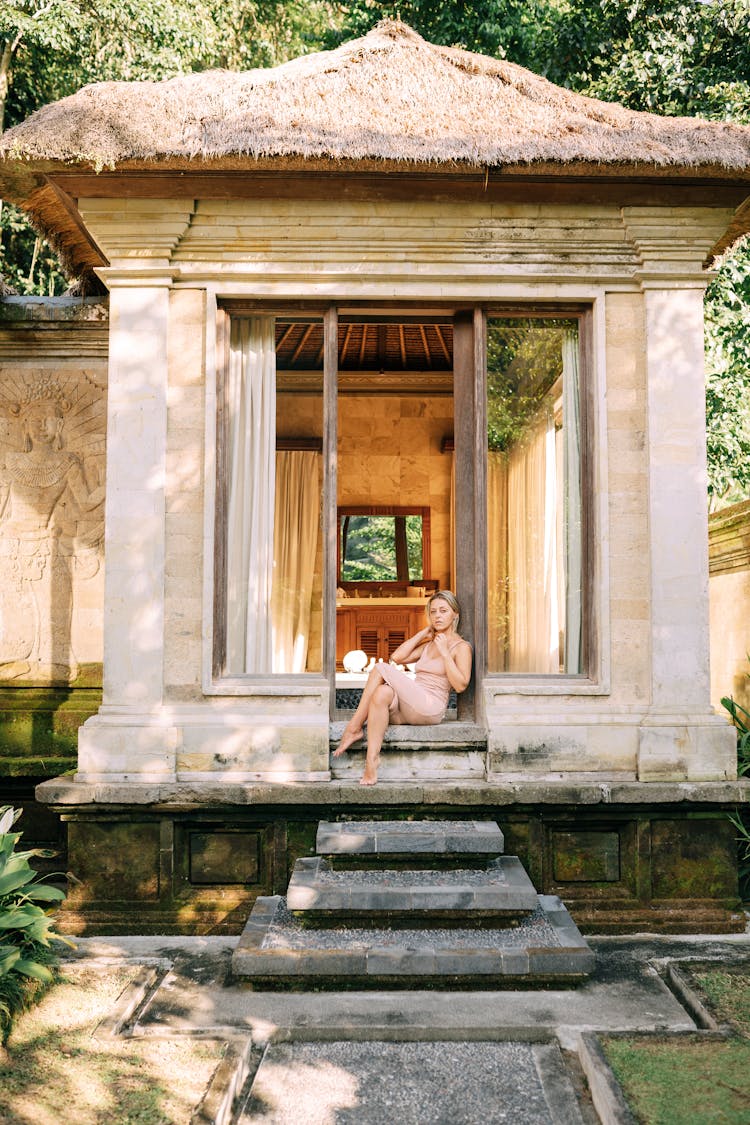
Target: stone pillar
(681, 737)
(129, 738)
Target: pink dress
(423, 699)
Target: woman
(443, 661)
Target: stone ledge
(388, 837)
(65, 792)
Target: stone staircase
(410, 904)
(448, 751)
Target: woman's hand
(412, 648)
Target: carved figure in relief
(48, 525)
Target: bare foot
(365, 780)
(348, 738)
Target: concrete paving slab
(624, 993)
(412, 1083)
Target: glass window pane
(533, 496)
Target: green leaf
(20, 918)
(7, 819)
(9, 955)
(41, 892)
(33, 969)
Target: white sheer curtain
(572, 513)
(497, 558)
(533, 612)
(251, 402)
(295, 542)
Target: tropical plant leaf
(42, 892)
(9, 955)
(7, 819)
(20, 918)
(33, 969)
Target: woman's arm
(457, 663)
(412, 648)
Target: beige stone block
(555, 747)
(126, 750)
(183, 565)
(627, 482)
(181, 502)
(183, 523)
(624, 441)
(255, 748)
(630, 609)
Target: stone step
(409, 839)
(421, 764)
(319, 895)
(448, 751)
(275, 950)
(446, 735)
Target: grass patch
(54, 1071)
(674, 1081)
(726, 993)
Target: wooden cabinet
(376, 630)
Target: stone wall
(389, 452)
(53, 385)
(729, 563)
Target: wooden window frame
(470, 425)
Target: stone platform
(461, 928)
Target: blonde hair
(449, 597)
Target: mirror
(383, 546)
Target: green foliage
(686, 57)
(524, 358)
(728, 379)
(26, 933)
(520, 30)
(368, 551)
(740, 717)
(27, 262)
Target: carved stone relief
(52, 465)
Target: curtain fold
(497, 556)
(251, 403)
(573, 542)
(294, 551)
(533, 612)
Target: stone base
(272, 953)
(178, 858)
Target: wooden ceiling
(371, 347)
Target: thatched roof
(389, 96)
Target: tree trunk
(5, 63)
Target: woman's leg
(378, 718)
(354, 728)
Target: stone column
(681, 738)
(128, 738)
